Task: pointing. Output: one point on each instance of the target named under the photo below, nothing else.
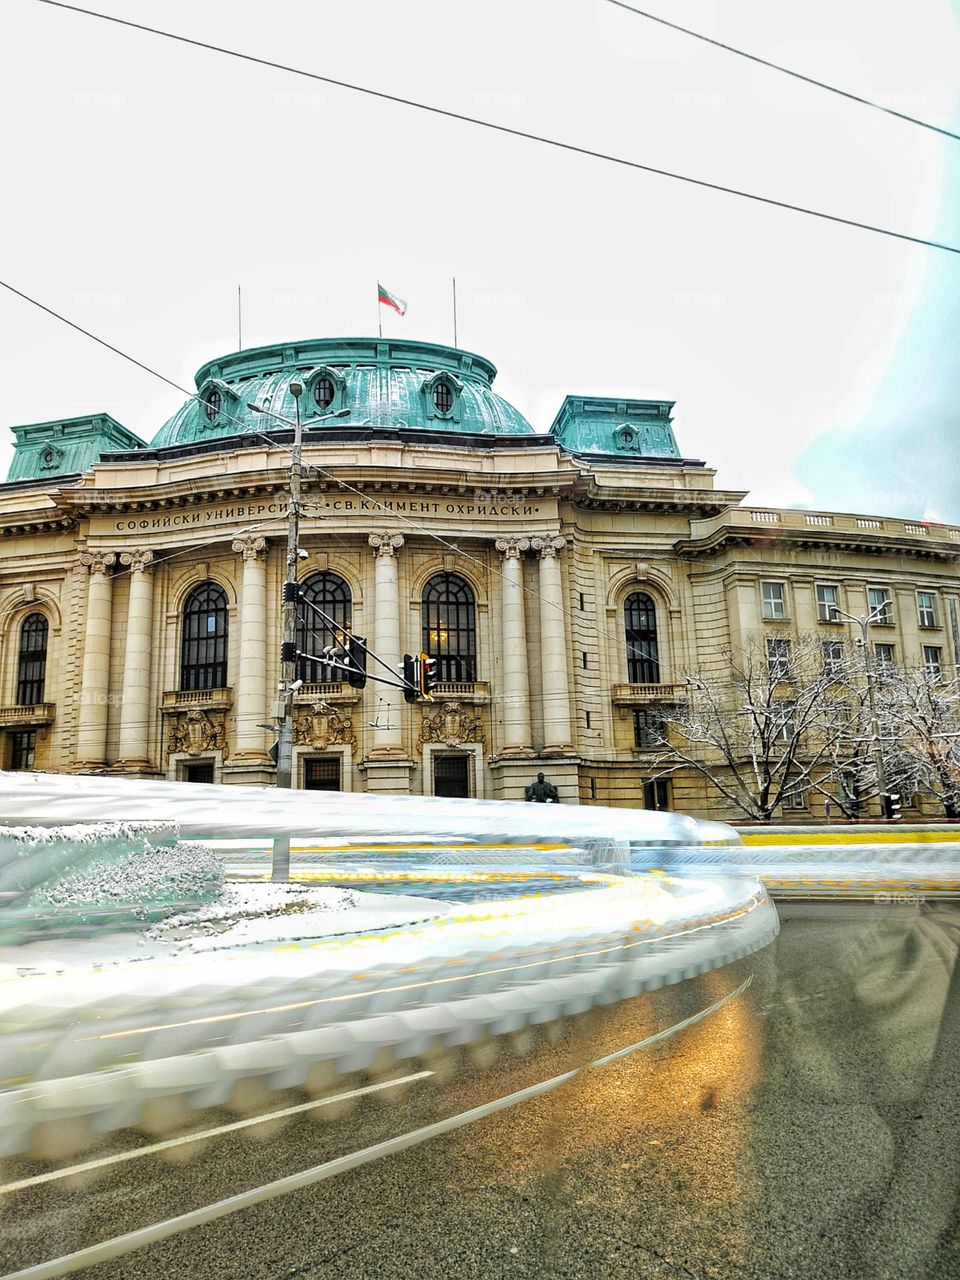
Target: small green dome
(366, 382)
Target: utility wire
(196, 487)
(505, 129)
(797, 75)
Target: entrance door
(451, 776)
(656, 794)
(202, 771)
(321, 773)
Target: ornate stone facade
(159, 573)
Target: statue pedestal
(511, 775)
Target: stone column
(516, 681)
(387, 737)
(553, 646)
(95, 676)
(251, 702)
(135, 702)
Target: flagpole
(239, 321)
(379, 313)
(454, 310)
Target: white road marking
(202, 1135)
(133, 1240)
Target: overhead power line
(787, 71)
(556, 143)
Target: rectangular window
(23, 746)
(880, 606)
(451, 776)
(932, 661)
(202, 771)
(583, 659)
(321, 773)
(884, 654)
(649, 729)
(832, 651)
(656, 794)
(926, 609)
(795, 800)
(587, 714)
(581, 600)
(774, 601)
(782, 717)
(827, 597)
(593, 788)
(778, 658)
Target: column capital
(385, 544)
(98, 561)
(548, 547)
(251, 546)
(138, 561)
(512, 548)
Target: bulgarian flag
(387, 299)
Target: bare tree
(776, 721)
(919, 713)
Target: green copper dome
(366, 382)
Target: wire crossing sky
(499, 128)
(776, 66)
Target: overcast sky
(811, 363)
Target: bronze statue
(542, 792)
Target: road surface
(809, 1127)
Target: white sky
(146, 179)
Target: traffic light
(356, 661)
(428, 674)
(411, 678)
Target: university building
(564, 580)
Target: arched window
(450, 627)
(203, 650)
(640, 623)
(32, 665)
(327, 592)
(443, 397)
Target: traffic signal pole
(288, 649)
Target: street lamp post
(288, 647)
(863, 624)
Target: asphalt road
(810, 1127)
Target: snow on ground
(244, 915)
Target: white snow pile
(262, 912)
(31, 856)
(160, 877)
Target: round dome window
(443, 397)
(324, 392)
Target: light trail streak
(119, 1246)
(579, 953)
(203, 1135)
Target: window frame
(884, 660)
(933, 667)
(832, 663)
(457, 665)
(886, 618)
(823, 608)
(781, 667)
(931, 610)
(767, 612)
(330, 592)
(32, 659)
(197, 673)
(641, 637)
